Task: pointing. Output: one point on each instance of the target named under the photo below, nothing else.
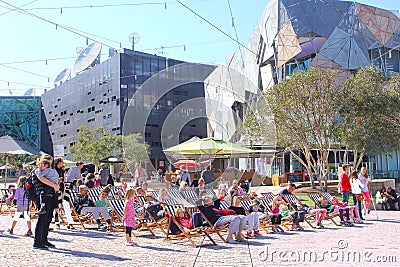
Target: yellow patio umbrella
(208, 147)
(69, 162)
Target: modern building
(294, 35)
(22, 118)
(127, 93)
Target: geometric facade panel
(288, 45)
(294, 33)
(382, 23)
(342, 48)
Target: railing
(384, 174)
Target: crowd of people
(55, 185)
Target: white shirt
(355, 186)
(364, 182)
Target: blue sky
(25, 37)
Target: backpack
(30, 186)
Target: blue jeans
(346, 196)
(391, 203)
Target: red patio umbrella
(189, 164)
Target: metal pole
(5, 175)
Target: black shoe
(42, 211)
(50, 245)
(41, 247)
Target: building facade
(22, 118)
(294, 35)
(110, 95)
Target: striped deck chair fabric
(179, 198)
(327, 196)
(95, 193)
(210, 192)
(246, 204)
(190, 195)
(268, 195)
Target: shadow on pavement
(161, 249)
(84, 254)
(89, 234)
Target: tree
(94, 145)
(369, 113)
(303, 109)
(134, 151)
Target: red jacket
(345, 183)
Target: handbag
(360, 197)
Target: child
(163, 195)
(124, 185)
(174, 181)
(222, 185)
(342, 207)
(102, 201)
(129, 216)
(51, 175)
(90, 180)
(22, 207)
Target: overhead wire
(161, 3)
(214, 26)
(11, 10)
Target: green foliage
(312, 111)
(94, 145)
(15, 160)
(370, 113)
(134, 150)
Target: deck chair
(80, 218)
(8, 207)
(160, 223)
(184, 233)
(267, 203)
(293, 201)
(211, 229)
(329, 216)
(117, 206)
(327, 196)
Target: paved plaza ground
(374, 243)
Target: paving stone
(375, 240)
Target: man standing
(345, 186)
(208, 175)
(184, 176)
(74, 172)
(103, 173)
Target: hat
(149, 195)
